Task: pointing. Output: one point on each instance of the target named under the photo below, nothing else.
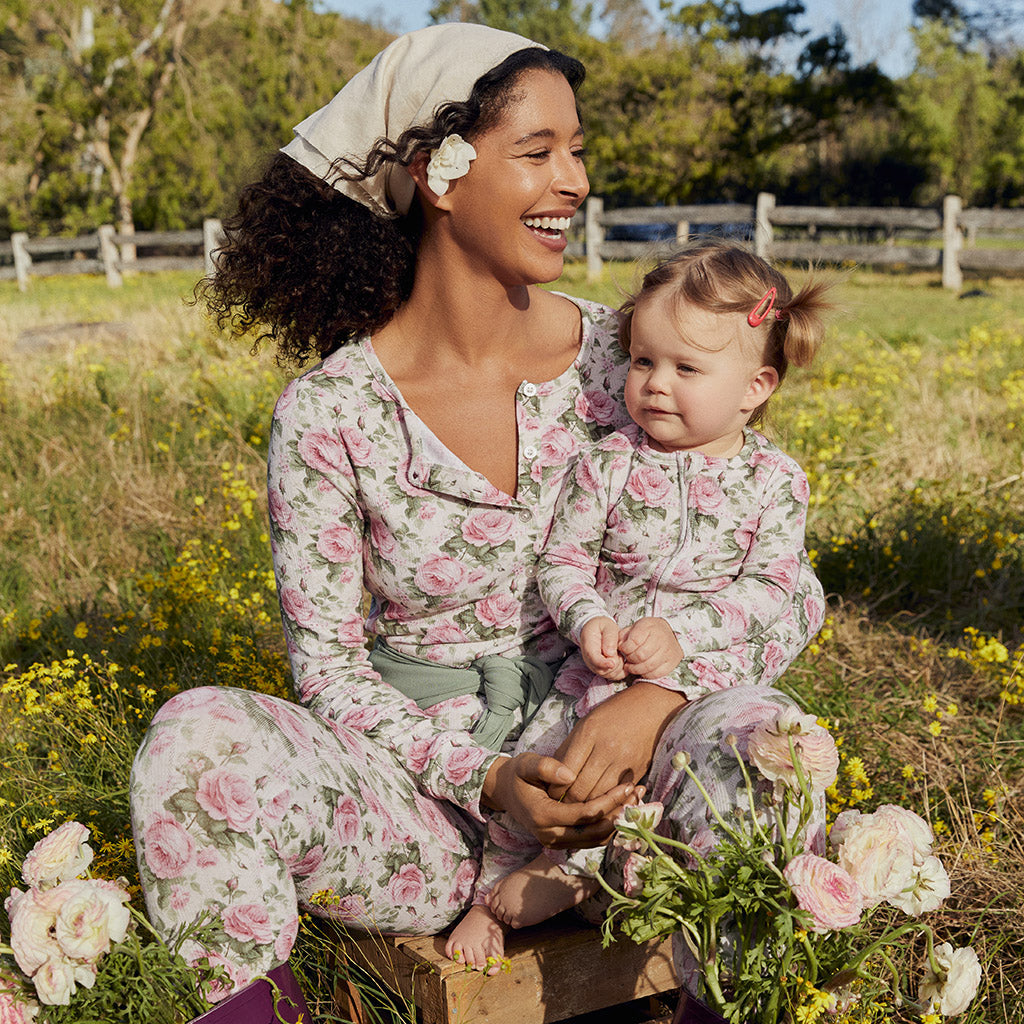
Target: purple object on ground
(254, 1004)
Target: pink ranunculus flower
(16, 1006)
(488, 526)
(406, 885)
(439, 575)
(632, 883)
(649, 486)
(63, 853)
(338, 543)
(168, 848)
(228, 797)
(768, 748)
(951, 992)
(248, 922)
(827, 892)
(92, 917)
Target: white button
(529, 389)
(531, 571)
(526, 515)
(530, 452)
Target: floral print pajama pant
(245, 806)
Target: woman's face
(510, 212)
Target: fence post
(109, 255)
(593, 236)
(682, 232)
(22, 259)
(763, 224)
(952, 242)
(213, 239)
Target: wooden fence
(112, 254)
(867, 235)
(883, 236)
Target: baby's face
(694, 377)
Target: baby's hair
(724, 277)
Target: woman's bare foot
(478, 940)
(537, 892)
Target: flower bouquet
(774, 931)
(82, 954)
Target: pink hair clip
(764, 306)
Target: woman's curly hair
(309, 269)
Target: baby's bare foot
(537, 892)
(478, 940)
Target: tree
(952, 106)
(107, 72)
(560, 24)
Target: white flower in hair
(450, 160)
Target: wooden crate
(559, 970)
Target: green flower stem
(750, 795)
(728, 829)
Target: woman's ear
(418, 172)
(762, 386)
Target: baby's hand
(599, 643)
(649, 648)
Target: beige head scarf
(400, 88)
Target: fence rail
(924, 239)
(112, 254)
(915, 238)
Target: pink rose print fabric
(243, 805)
(713, 545)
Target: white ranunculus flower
(929, 888)
(93, 916)
(449, 161)
(951, 992)
(62, 854)
(913, 827)
(876, 853)
(55, 982)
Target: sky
(876, 29)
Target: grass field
(134, 559)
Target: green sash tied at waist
(506, 685)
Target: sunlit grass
(134, 558)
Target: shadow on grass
(941, 564)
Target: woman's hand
(521, 786)
(613, 745)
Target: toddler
(678, 542)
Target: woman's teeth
(548, 223)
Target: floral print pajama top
(713, 545)
(363, 494)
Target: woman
(419, 460)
